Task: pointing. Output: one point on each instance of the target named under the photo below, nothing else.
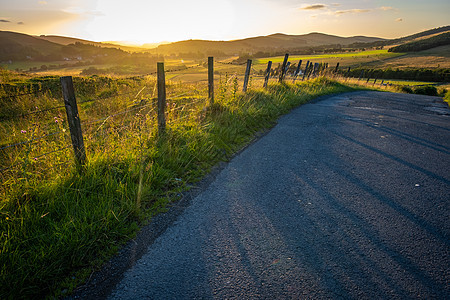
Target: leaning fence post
(247, 75)
(287, 68)
(211, 79)
(337, 68)
(306, 69)
(315, 69)
(297, 71)
(283, 67)
(266, 78)
(73, 119)
(161, 98)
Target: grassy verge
(56, 231)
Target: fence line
(160, 106)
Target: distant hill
(442, 39)
(262, 43)
(21, 47)
(422, 34)
(62, 40)
(18, 46)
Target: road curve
(347, 197)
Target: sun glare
(173, 20)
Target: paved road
(347, 197)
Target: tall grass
(58, 225)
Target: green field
(350, 57)
(407, 82)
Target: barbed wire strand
(30, 141)
(37, 112)
(62, 106)
(116, 114)
(105, 98)
(54, 151)
(111, 116)
(19, 95)
(42, 155)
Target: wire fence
(110, 113)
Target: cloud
(4, 21)
(314, 7)
(399, 20)
(351, 11)
(335, 4)
(387, 8)
(43, 2)
(20, 23)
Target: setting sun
(169, 20)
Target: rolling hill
(18, 46)
(442, 39)
(21, 47)
(63, 40)
(272, 42)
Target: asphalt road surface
(347, 197)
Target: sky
(152, 21)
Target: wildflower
(23, 131)
(35, 159)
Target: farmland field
(371, 54)
(194, 70)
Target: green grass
(447, 97)
(406, 82)
(374, 54)
(58, 225)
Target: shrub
(406, 89)
(426, 90)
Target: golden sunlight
(168, 21)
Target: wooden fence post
(161, 98)
(337, 68)
(287, 68)
(267, 75)
(211, 80)
(73, 119)
(306, 69)
(316, 69)
(297, 71)
(283, 67)
(247, 75)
